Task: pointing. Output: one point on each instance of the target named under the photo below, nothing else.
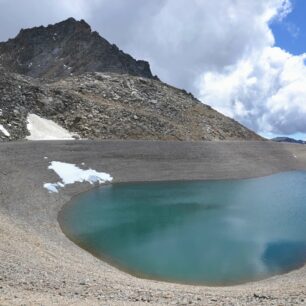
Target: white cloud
(183, 40)
(265, 91)
(79, 9)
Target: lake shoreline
(39, 264)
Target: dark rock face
(64, 49)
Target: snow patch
(70, 174)
(52, 188)
(4, 131)
(44, 129)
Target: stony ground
(40, 266)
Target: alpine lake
(214, 233)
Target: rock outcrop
(72, 76)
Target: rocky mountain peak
(66, 27)
(69, 77)
(66, 48)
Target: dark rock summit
(70, 75)
(64, 49)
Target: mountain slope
(112, 106)
(70, 75)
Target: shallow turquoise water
(206, 232)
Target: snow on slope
(70, 174)
(4, 131)
(44, 129)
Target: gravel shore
(40, 266)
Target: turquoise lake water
(203, 232)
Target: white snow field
(4, 131)
(44, 129)
(70, 174)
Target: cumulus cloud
(223, 51)
(265, 91)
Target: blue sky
(290, 33)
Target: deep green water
(207, 232)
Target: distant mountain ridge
(70, 75)
(288, 139)
(67, 48)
